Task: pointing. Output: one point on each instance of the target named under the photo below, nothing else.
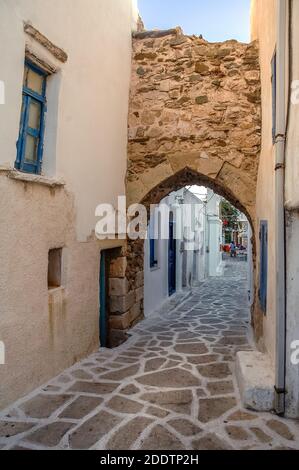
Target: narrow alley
(172, 385)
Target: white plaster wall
(198, 218)
(43, 333)
(156, 279)
(264, 27)
(292, 230)
(85, 144)
(263, 23)
(292, 369)
(292, 157)
(90, 128)
(214, 235)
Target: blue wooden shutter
(34, 96)
(153, 261)
(263, 264)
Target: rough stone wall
(194, 118)
(194, 105)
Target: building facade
(63, 147)
(275, 26)
(213, 226)
(176, 264)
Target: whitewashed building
(65, 71)
(172, 266)
(213, 227)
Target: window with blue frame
(32, 123)
(153, 253)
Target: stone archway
(194, 105)
(135, 248)
(194, 118)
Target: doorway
(171, 258)
(104, 299)
(110, 337)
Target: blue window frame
(263, 265)
(153, 253)
(274, 89)
(32, 123)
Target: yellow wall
(263, 27)
(292, 226)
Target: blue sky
(216, 20)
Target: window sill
(52, 290)
(156, 268)
(31, 178)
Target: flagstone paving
(172, 386)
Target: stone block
(256, 380)
(121, 304)
(118, 267)
(135, 312)
(165, 85)
(118, 286)
(120, 322)
(124, 321)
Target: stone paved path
(170, 387)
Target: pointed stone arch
(244, 200)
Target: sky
(216, 20)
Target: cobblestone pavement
(170, 387)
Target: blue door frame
(263, 265)
(103, 301)
(171, 260)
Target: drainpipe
(280, 139)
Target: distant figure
(233, 250)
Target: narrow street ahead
(171, 386)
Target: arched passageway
(194, 118)
(135, 251)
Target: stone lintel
(56, 51)
(157, 33)
(38, 61)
